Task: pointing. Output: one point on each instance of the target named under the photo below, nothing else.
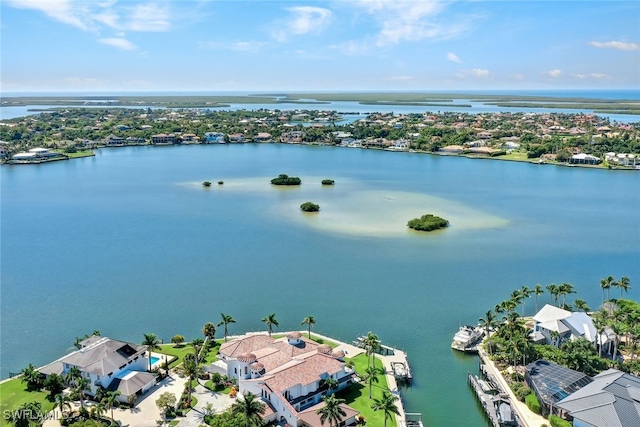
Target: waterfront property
(108, 363)
(35, 155)
(290, 374)
(551, 383)
(612, 399)
(555, 325)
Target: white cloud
(96, 16)
(120, 43)
(65, 11)
(410, 20)
(555, 73)
(453, 57)
(474, 72)
(304, 20)
(615, 45)
(353, 47)
(591, 76)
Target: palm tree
(489, 322)
(226, 319)
(98, 410)
(516, 297)
(330, 383)
(537, 291)
(624, 285)
(553, 292)
(62, 402)
(250, 408)
(371, 376)
(371, 344)
(525, 293)
(331, 411)
(81, 386)
(581, 305)
(153, 343)
(386, 403)
(33, 377)
(110, 401)
(209, 331)
(309, 321)
(563, 290)
(72, 376)
(600, 320)
(191, 370)
(271, 321)
(606, 283)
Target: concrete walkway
(219, 403)
(527, 418)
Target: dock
(496, 404)
(397, 370)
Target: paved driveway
(219, 403)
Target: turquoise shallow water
(129, 242)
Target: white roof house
(566, 324)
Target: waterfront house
(236, 138)
(163, 139)
(292, 137)
(612, 399)
(114, 141)
(551, 383)
(554, 325)
(584, 159)
(263, 137)
(287, 374)
(214, 138)
(108, 363)
(35, 155)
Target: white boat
(466, 337)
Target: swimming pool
(154, 360)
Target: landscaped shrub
(521, 390)
(556, 421)
(532, 403)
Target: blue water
(341, 106)
(129, 242)
(154, 360)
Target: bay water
(130, 242)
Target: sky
(339, 45)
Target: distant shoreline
(598, 105)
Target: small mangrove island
(309, 207)
(284, 179)
(428, 222)
(328, 182)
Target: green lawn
(320, 340)
(520, 156)
(13, 394)
(178, 352)
(357, 396)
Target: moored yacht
(466, 337)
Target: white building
(36, 154)
(108, 363)
(555, 325)
(287, 373)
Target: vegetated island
(328, 182)
(284, 179)
(309, 207)
(206, 184)
(428, 222)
